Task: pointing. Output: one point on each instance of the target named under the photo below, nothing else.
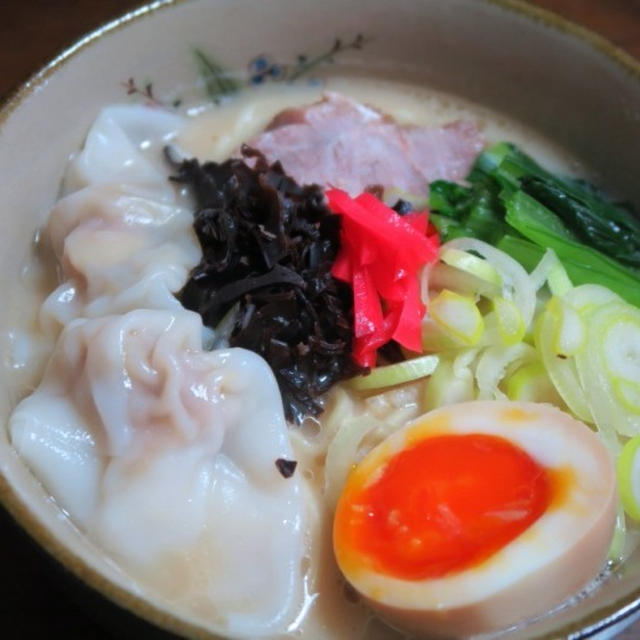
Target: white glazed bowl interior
(575, 90)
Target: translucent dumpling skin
(119, 249)
(112, 152)
(122, 232)
(165, 455)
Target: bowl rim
(600, 620)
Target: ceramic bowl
(560, 80)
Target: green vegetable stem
(523, 209)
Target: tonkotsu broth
(214, 132)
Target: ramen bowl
(559, 81)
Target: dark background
(37, 599)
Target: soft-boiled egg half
(476, 516)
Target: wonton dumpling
(166, 455)
(119, 250)
(112, 149)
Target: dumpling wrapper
(119, 250)
(165, 455)
(112, 152)
(122, 232)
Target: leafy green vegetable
(520, 207)
(449, 198)
(467, 211)
(527, 253)
(598, 223)
(448, 228)
(490, 159)
(615, 238)
(509, 165)
(532, 220)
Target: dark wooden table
(36, 601)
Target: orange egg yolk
(441, 505)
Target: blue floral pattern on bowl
(218, 82)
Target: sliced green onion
(586, 297)
(551, 271)
(435, 339)
(628, 467)
(493, 364)
(621, 343)
(342, 407)
(509, 321)
(627, 393)
(444, 276)
(613, 338)
(531, 383)
(558, 280)
(570, 335)
(463, 361)
(516, 283)
(465, 261)
(342, 453)
(458, 316)
(561, 370)
(448, 385)
(394, 374)
(425, 282)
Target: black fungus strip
(228, 293)
(268, 245)
(286, 467)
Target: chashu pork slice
(341, 143)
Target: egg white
(554, 558)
